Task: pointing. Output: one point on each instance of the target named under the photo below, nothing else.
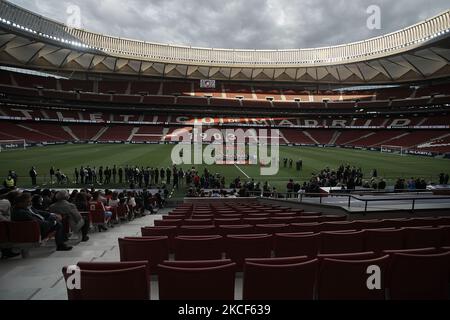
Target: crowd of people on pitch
(58, 211)
(206, 180)
(346, 177)
(132, 177)
(298, 164)
(237, 188)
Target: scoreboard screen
(207, 84)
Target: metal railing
(413, 196)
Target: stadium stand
(389, 92)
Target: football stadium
(136, 170)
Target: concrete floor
(39, 277)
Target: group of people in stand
(54, 211)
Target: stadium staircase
(100, 133)
(70, 132)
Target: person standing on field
(33, 175)
(114, 174)
(52, 173)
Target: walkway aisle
(39, 277)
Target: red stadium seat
(198, 222)
(159, 231)
(24, 232)
(174, 217)
(255, 221)
(197, 263)
(168, 222)
(445, 235)
(278, 261)
(197, 230)
(349, 256)
(201, 217)
(104, 266)
(97, 213)
(222, 221)
(368, 224)
(236, 229)
(337, 226)
(279, 281)
(413, 251)
(152, 249)
(332, 218)
(341, 242)
(383, 239)
(168, 231)
(419, 277)
(272, 228)
(240, 247)
(310, 214)
(347, 279)
(422, 222)
(206, 283)
(123, 284)
(4, 236)
(423, 237)
(308, 219)
(306, 227)
(394, 223)
(285, 220)
(296, 244)
(198, 247)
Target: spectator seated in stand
(48, 222)
(63, 207)
(99, 204)
(5, 215)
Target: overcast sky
(256, 24)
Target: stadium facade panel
(419, 52)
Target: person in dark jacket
(120, 172)
(114, 174)
(48, 222)
(156, 175)
(52, 174)
(33, 175)
(168, 175)
(76, 175)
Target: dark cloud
(256, 24)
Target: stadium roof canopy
(417, 53)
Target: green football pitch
(67, 157)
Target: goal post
(6, 145)
(393, 150)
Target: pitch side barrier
(408, 152)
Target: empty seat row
(173, 227)
(376, 240)
(362, 276)
(238, 247)
(253, 220)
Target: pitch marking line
(237, 167)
